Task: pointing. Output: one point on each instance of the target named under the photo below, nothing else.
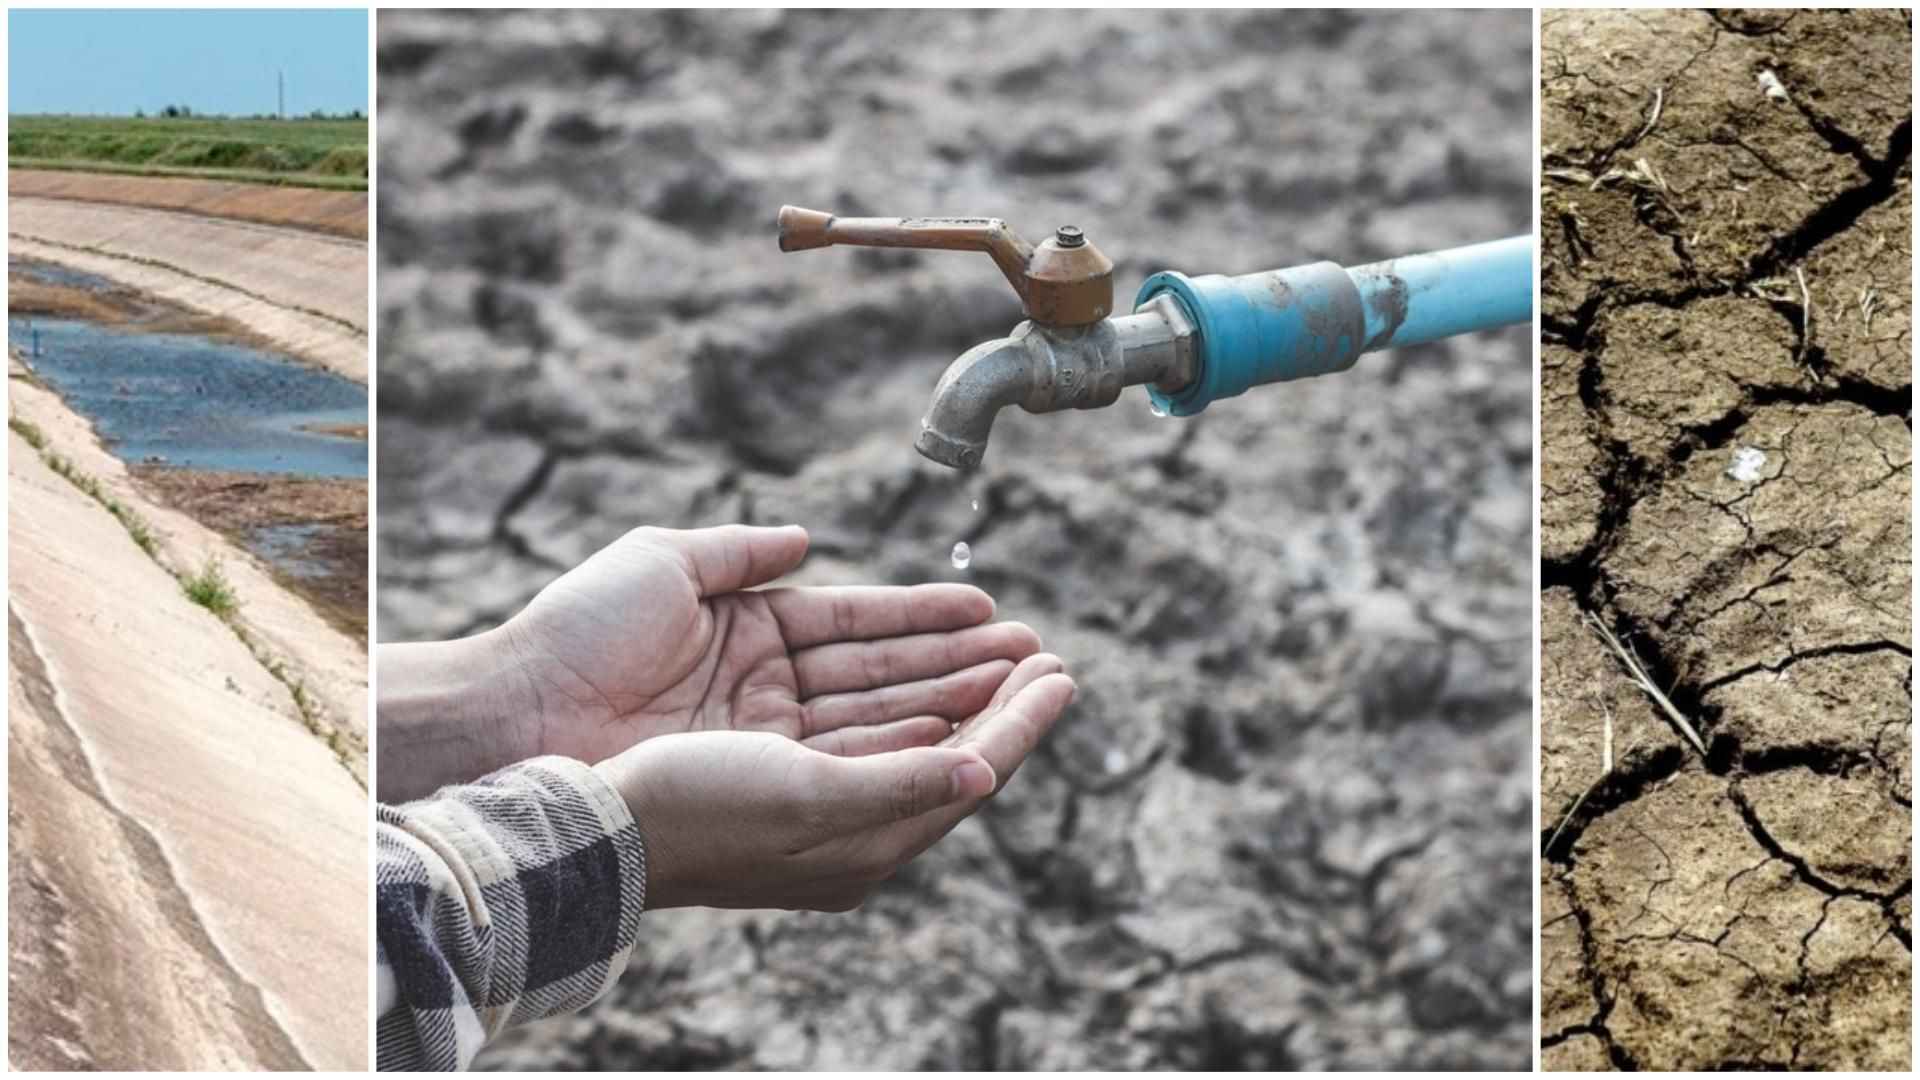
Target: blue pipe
(1317, 319)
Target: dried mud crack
(1726, 478)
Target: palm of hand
(636, 643)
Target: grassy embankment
(299, 153)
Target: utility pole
(283, 95)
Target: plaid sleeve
(499, 902)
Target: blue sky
(214, 61)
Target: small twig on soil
(1653, 116)
(1867, 298)
(1806, 322)
(1645, 682)
(1606, 770)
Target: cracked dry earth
(1287, 822)
(1726, 487)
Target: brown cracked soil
(1726, 475)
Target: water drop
(1153, 407)
(962, 555)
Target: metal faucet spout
(1048, 368)
(985, 379)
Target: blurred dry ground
(1287, 821)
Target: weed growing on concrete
(211, 590)
(136, 526)
(28, 431)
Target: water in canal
(192, 402)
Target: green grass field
(304, 153)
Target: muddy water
(190, 402)
(288, 547)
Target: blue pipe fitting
(1319, 318)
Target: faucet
(1189, 341)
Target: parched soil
(1727, 471)
(1288, 821)
(340, 213)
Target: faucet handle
(1065, 281)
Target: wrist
(451, 712)
(634, 776)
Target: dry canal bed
(268, 451)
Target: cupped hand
(663, 632)
(756, 820)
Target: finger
(864, 792)
(1025, 674)
(1005, 736)
(865, 665)
(732, 557)
(821, 615)
(954, 696)
(881, 738)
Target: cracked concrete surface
(1726, 485)
(1286, 823)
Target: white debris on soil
(1771, 86)
(962, 555)
(1116, 761)
(1747, 463)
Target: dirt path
(269, 852)
(304, 291)
(1727, 488)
